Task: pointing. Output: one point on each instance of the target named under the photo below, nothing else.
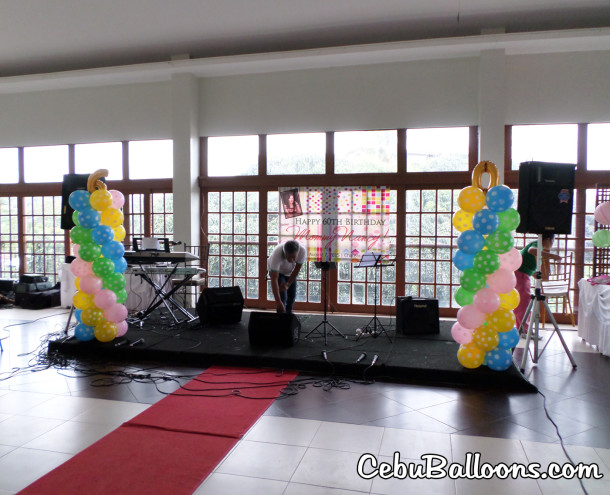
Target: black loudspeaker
(273, 329)
(417, 315)
(220, 305)
(546, 196)
(71, 183)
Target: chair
(193, 287)
(556, 282)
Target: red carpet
(175, 444)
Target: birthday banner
(336, 223)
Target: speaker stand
(325, 266)
(533, 308)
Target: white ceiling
(42, 36)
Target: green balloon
(114, 282)
(486, 262)
(89, 251)
(80, 235)
(601, 238)
(473, 280)
(75, 218)
(509, 219)
(464, 297)
(121, 296)
(102, 267)
(500, 241)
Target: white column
(492, 108)
(185, 134)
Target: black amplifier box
(32, 278)
(7, 284)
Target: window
(163, 215)
(598, 147)
(151, 159)
(365, 152)
(437, 150)
(544, 143)
(233, 234)
(293, 154)
(95, 156)
(45, 163)
(232, 156)
(9, 164)
(9, 238)
(44, 238)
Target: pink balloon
(502, 281)
(460, 334)
(116, 313)
(75, 248)
(118, 200)
(105, 299)
(81, 268)
(91, 284)
(470, 317)
(602, 213)
(486, 300)
(121, 328)
(510, 260)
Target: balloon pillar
(485, 327)
(99, 265)
(601, 237)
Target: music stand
(375, 260)
(325, 266)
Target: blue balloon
(463, 261)
(77, 314)
(84, 332)
(508, 340)
(499, 198)
(113, 250)
(120, 265)
(485, 221)
(470, 242)
(499, 359)
(102, 234)
(88, 218)
(79, 199)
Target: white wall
(111, 113)
(566, 87)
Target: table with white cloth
(140, 294)
(594, 315)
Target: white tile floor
(42, 426)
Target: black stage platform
(429, 359)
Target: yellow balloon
(471, 199)
(92, 316)
(119, 233)
(100, 199)
(112, 217)
(501, 320)
(77, 283)
(105, 331)
(485, 338)
(82, 300)
(510, 300)
(462, 220)
(470, 356)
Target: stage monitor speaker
(546, 196)
(417, 315)
(71, 183)
(273, 329)
(220, 305)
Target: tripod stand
(374, 327)
(534, 309)
(325, 266)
